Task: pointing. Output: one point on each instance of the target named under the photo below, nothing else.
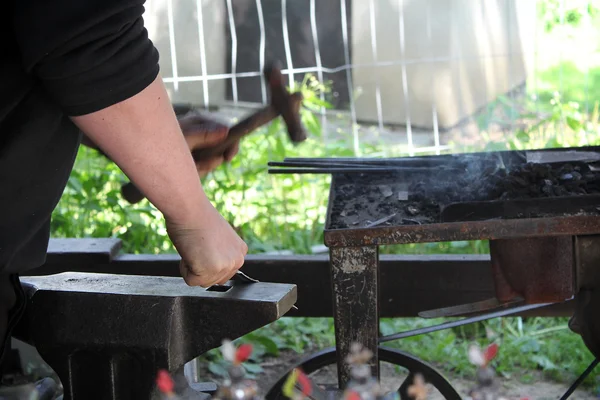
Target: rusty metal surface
(354, 277)
(510, 209)
(538, 270)
(364, 211)
(459, 231)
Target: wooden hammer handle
(238, 131)
(246, 126)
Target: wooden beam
(408, 283)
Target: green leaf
(253, 368)
(75, 184)
(270, 345)
(530, 346)
(543, 362)
(321, 103)
(574, 123)
(522, 136)
(217, 369)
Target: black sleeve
(88, 54)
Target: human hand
(211, 252)
(202, 132)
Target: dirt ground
(391, 380)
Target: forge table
(543, 250)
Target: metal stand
(355, 282)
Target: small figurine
(487, 387)
(362, 385)
(236, 386)
(297, 377)
(166, 385)
(418, 390)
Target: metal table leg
(355, 278)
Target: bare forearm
(142, 136)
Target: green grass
(287, 213)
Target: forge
(539, 210)
(470, 187)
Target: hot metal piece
(245, 278)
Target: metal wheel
(326, 357)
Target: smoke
(505, 176)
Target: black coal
(523, 182)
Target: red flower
(491, 352)
(243, 353)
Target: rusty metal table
(355, 230)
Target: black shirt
(58, 58)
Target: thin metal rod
(315, 37)
(172, 44)
(464, 321)
(234, 49)
(348, 170)
(203, 64)
(409, 137)
(286, 44)
(262, 50)
(320, 165)
(349, 80)
(346, 165)
(374, 52)
(374, 161)
(579, 380)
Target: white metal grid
(349, 65)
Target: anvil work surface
(471, 196)
(108, 284)
(86, 309)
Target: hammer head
(285, 103)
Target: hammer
(282, 103)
